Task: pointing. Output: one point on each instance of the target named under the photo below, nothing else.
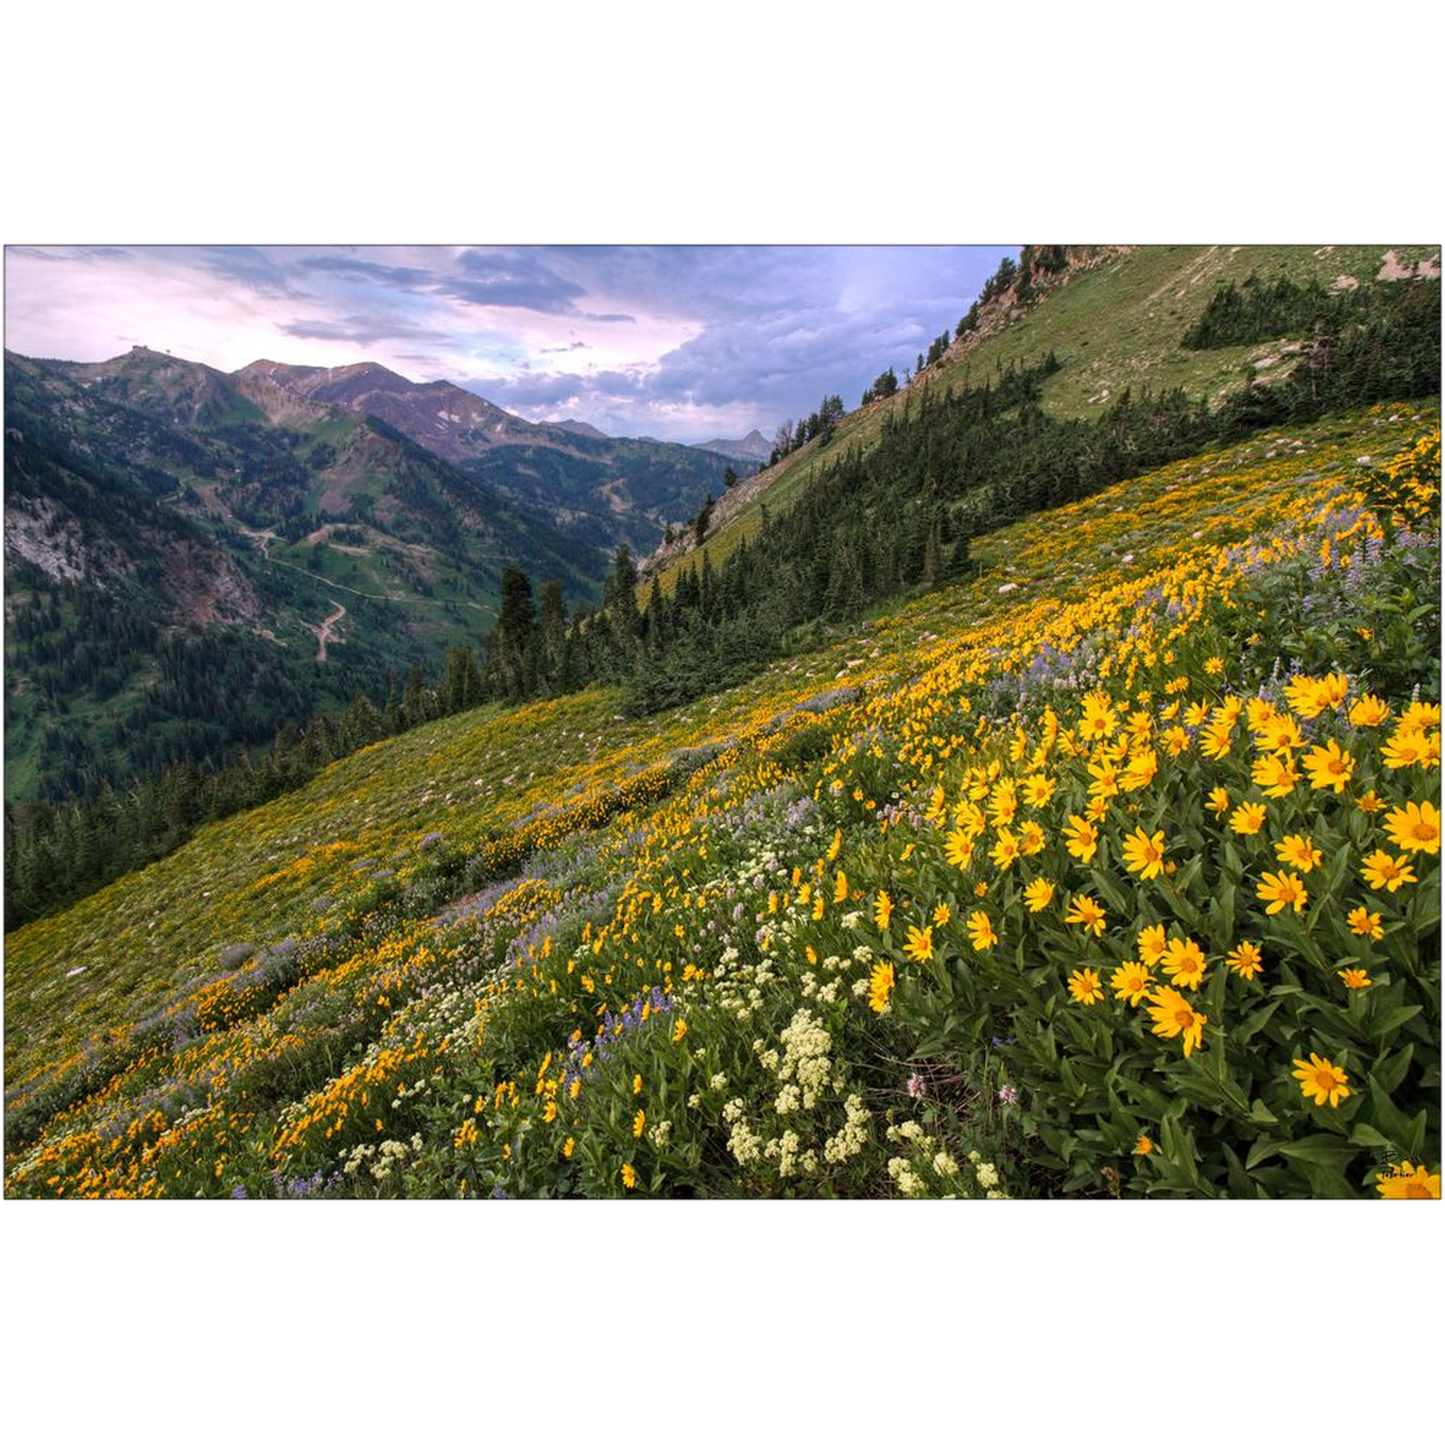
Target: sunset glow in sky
(681, 342)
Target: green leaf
(1252, 1023)
(1261, 1150)
(1324, 1149)
(1390, 1076)
(1368, 1138)
(1386, 1023)
(1261, 1114)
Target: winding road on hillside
(324, 631)
(263, 542)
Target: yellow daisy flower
(1364, 923)
(1247, 818)
(880, 986)
(1081, 838)
(1144, 854)
(920, 944)
(1151, 943)
(1038, 895)
(1380, 870)
(1415, 828)
(1087, 913)
(1329, 766)
(1245, 959)
(1184, 963)
(1131, 981)
(1321, 1081)
(882, 909)
(980, 931)
(1281, 891)
(1298, 851)
(1175, 1017)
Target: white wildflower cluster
(903, 1176)
(660, 1133)
(852, 920)
(850, 1139)
(741, 992)
(910, 1132)
(786, 1153)
(824, 993)
(925, 1160)
(807, 1046)
(745, 1145)
(381, 1160)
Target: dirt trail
(324, 630)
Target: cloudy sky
(681, 342)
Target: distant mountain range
(754, 447)
(599, 489)
(175, 536)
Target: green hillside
(878, 921)
(1112, 325)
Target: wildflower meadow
(1111, 871)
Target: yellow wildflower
(1298, 851)
(1380, 870)
(1087, 913)
(1038, 895)
(1144, 854)
(1281, 891)
(1081, 838)
(1364, 923)
(1322, 1081)
(880, 986)
(1131, 981)
(1245, 959)
(1175, 1017)
(980, 931)
(1415, 827)
(1247, 818)
(1329, 766)
(920, 944)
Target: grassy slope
(1114, 326)
(309, 862)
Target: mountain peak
(581, 429)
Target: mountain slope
(1114, 316)
(577, 957)
(217, 524)
(602, 489)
